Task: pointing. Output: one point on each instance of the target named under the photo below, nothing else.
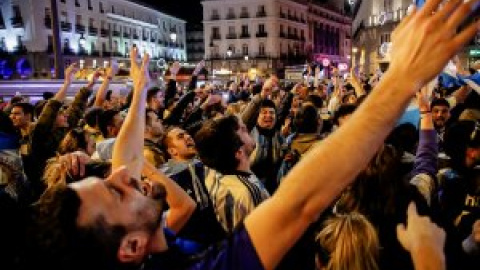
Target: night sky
(189, 10)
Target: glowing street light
(229, 52)
(246, 57)
(354, 50)
(173, 36)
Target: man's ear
(172, 151)
(133, 247)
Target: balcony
(215, 17)
(160, 42)
(104, 33)
(144, 38)
(116, 33)
(245, 35)
(283, 35)
(66, 26)
(80, 28)
(244, 15)
(216, 37)
(231, 36)
(261, 14)
(283, 15)
(17, 22)
(126, 35)
(152, 40)
(231, 16)
(48, 22)
(92, 31)
(261, 35)
(95, 53)
(135, 36)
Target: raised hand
(139, 73)
(423, 99)
(175, 68)
(427, 39)
(199, 67)
(112, 70)
(420, 233)
(70, 72)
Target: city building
(263, 36)
(91, 33)
(373, 24)
(195, 42)
(329, 35)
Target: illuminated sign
(475, 53)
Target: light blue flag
(419, 3)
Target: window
(261, 49)
(231, 30)
(113, 9)
(215, 31)
(244, 29)
(77, 4)
(245, 49)
(63, 1)
(281, 28)
(16, 11)
(104, 47)
(48, 13)
(261, 9)
(100, 5)
(91, 22)
(79, 19)
(90, 5)
(261, 28)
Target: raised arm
(312, 185)
(69, 76)
(181, 205)
(425, 166)
(102, 91)
(128, 148)
(359, 91)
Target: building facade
(373, 24)
(91, 32)
(330, 35)
(264, 36)
(195, 42)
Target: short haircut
(440, 102)
(267, 103)
(106, 120)
(306, 120)
(217, 143)
(316, 100)
(92, 116)
(27, 108)
(344, 110)
(458, 138)
(58, 242)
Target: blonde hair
(350, 241)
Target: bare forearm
(62, 93)
(128, 148)
(101, 93)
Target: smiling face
(266, 118)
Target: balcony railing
(215, 17)
(216, 37)
(104, 32)
(66, 26)
(261, 14)
(136, 36)
(116, 33)
(80, 28)
(244, 15)
(126, 35)
(283, 15)
(261, 35)
(231, 16)
(244, 35)
(283, 35)
(92, 31)
(231, 36)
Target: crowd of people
(361, 172)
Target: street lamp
(355, 50)
(246, 57)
